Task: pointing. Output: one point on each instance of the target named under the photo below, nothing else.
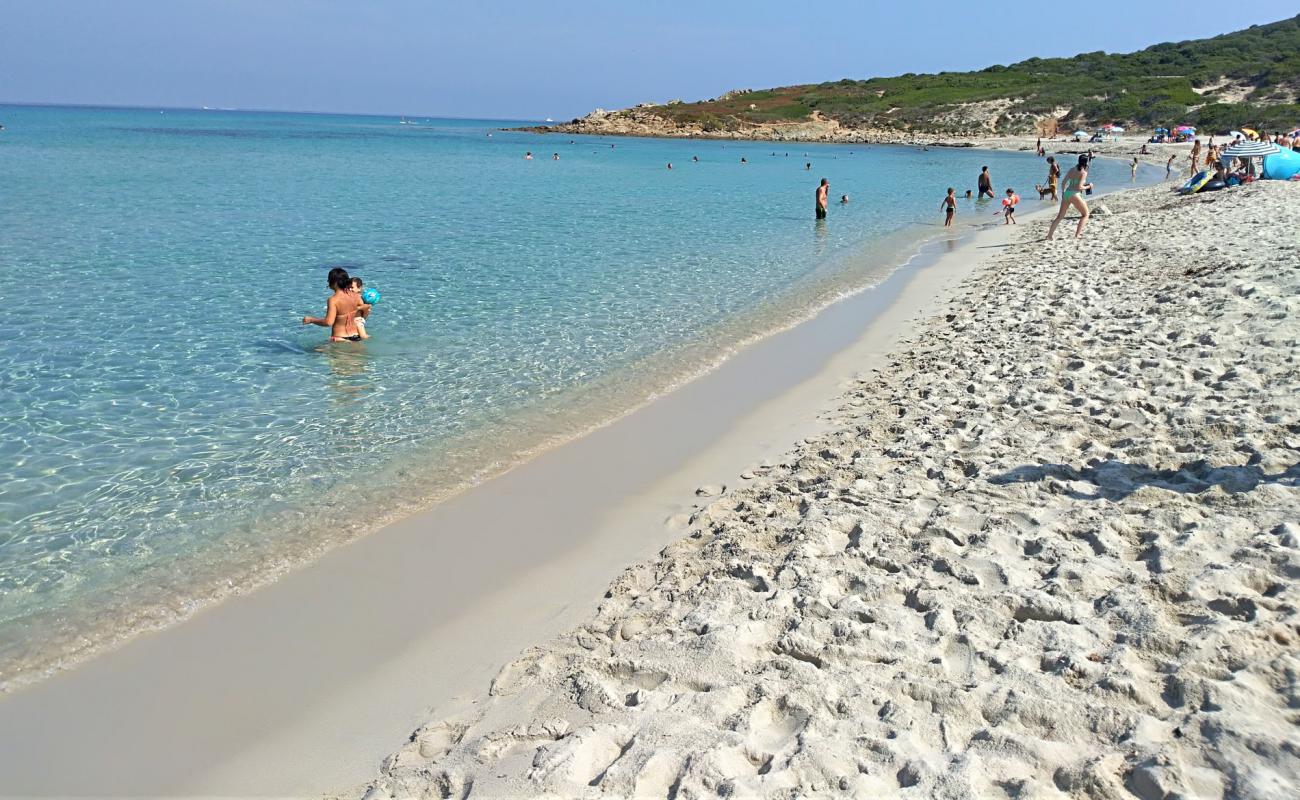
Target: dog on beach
(1043, 191)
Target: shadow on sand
(1115, 480)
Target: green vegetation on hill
(1248, 78)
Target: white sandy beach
(1050, 549)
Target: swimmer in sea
(844, 199)
(822, 191)
(340, 310)
(528, 156)
(355, 284)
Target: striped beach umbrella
(1250, 150)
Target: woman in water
(1072, 195)
(340, 310)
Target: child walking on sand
(949, 206)
(1009, 207)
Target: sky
(507, 59)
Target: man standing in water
(822, 192)
(986, 183)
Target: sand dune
(1051, 550)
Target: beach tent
(1281, 166)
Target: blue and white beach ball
(370, 296)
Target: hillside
(1247, 78)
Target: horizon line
(162, 107)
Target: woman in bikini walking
(1072, 195)
(340, 310)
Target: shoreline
(216, 589)
(1125, 146)
(248, 622)
(1049, 545)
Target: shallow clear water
(168, 428)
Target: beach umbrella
(1237, 134)
(1246, 151)
(1162, 130)
(1251, 133)
(1116, 129)
(1249, 150)
(1080, 133)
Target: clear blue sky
(530, 60)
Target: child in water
(949, 206)
(363, 309)
(1009, 207)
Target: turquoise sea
(170, 432)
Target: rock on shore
(1052, 550)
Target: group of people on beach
(345, 311)
(1075, 186)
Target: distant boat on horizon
(548, 119)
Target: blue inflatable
(1198, 180)
(370, 296)
(1281, 166)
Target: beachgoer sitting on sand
(1072, 195)
(340, 310)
